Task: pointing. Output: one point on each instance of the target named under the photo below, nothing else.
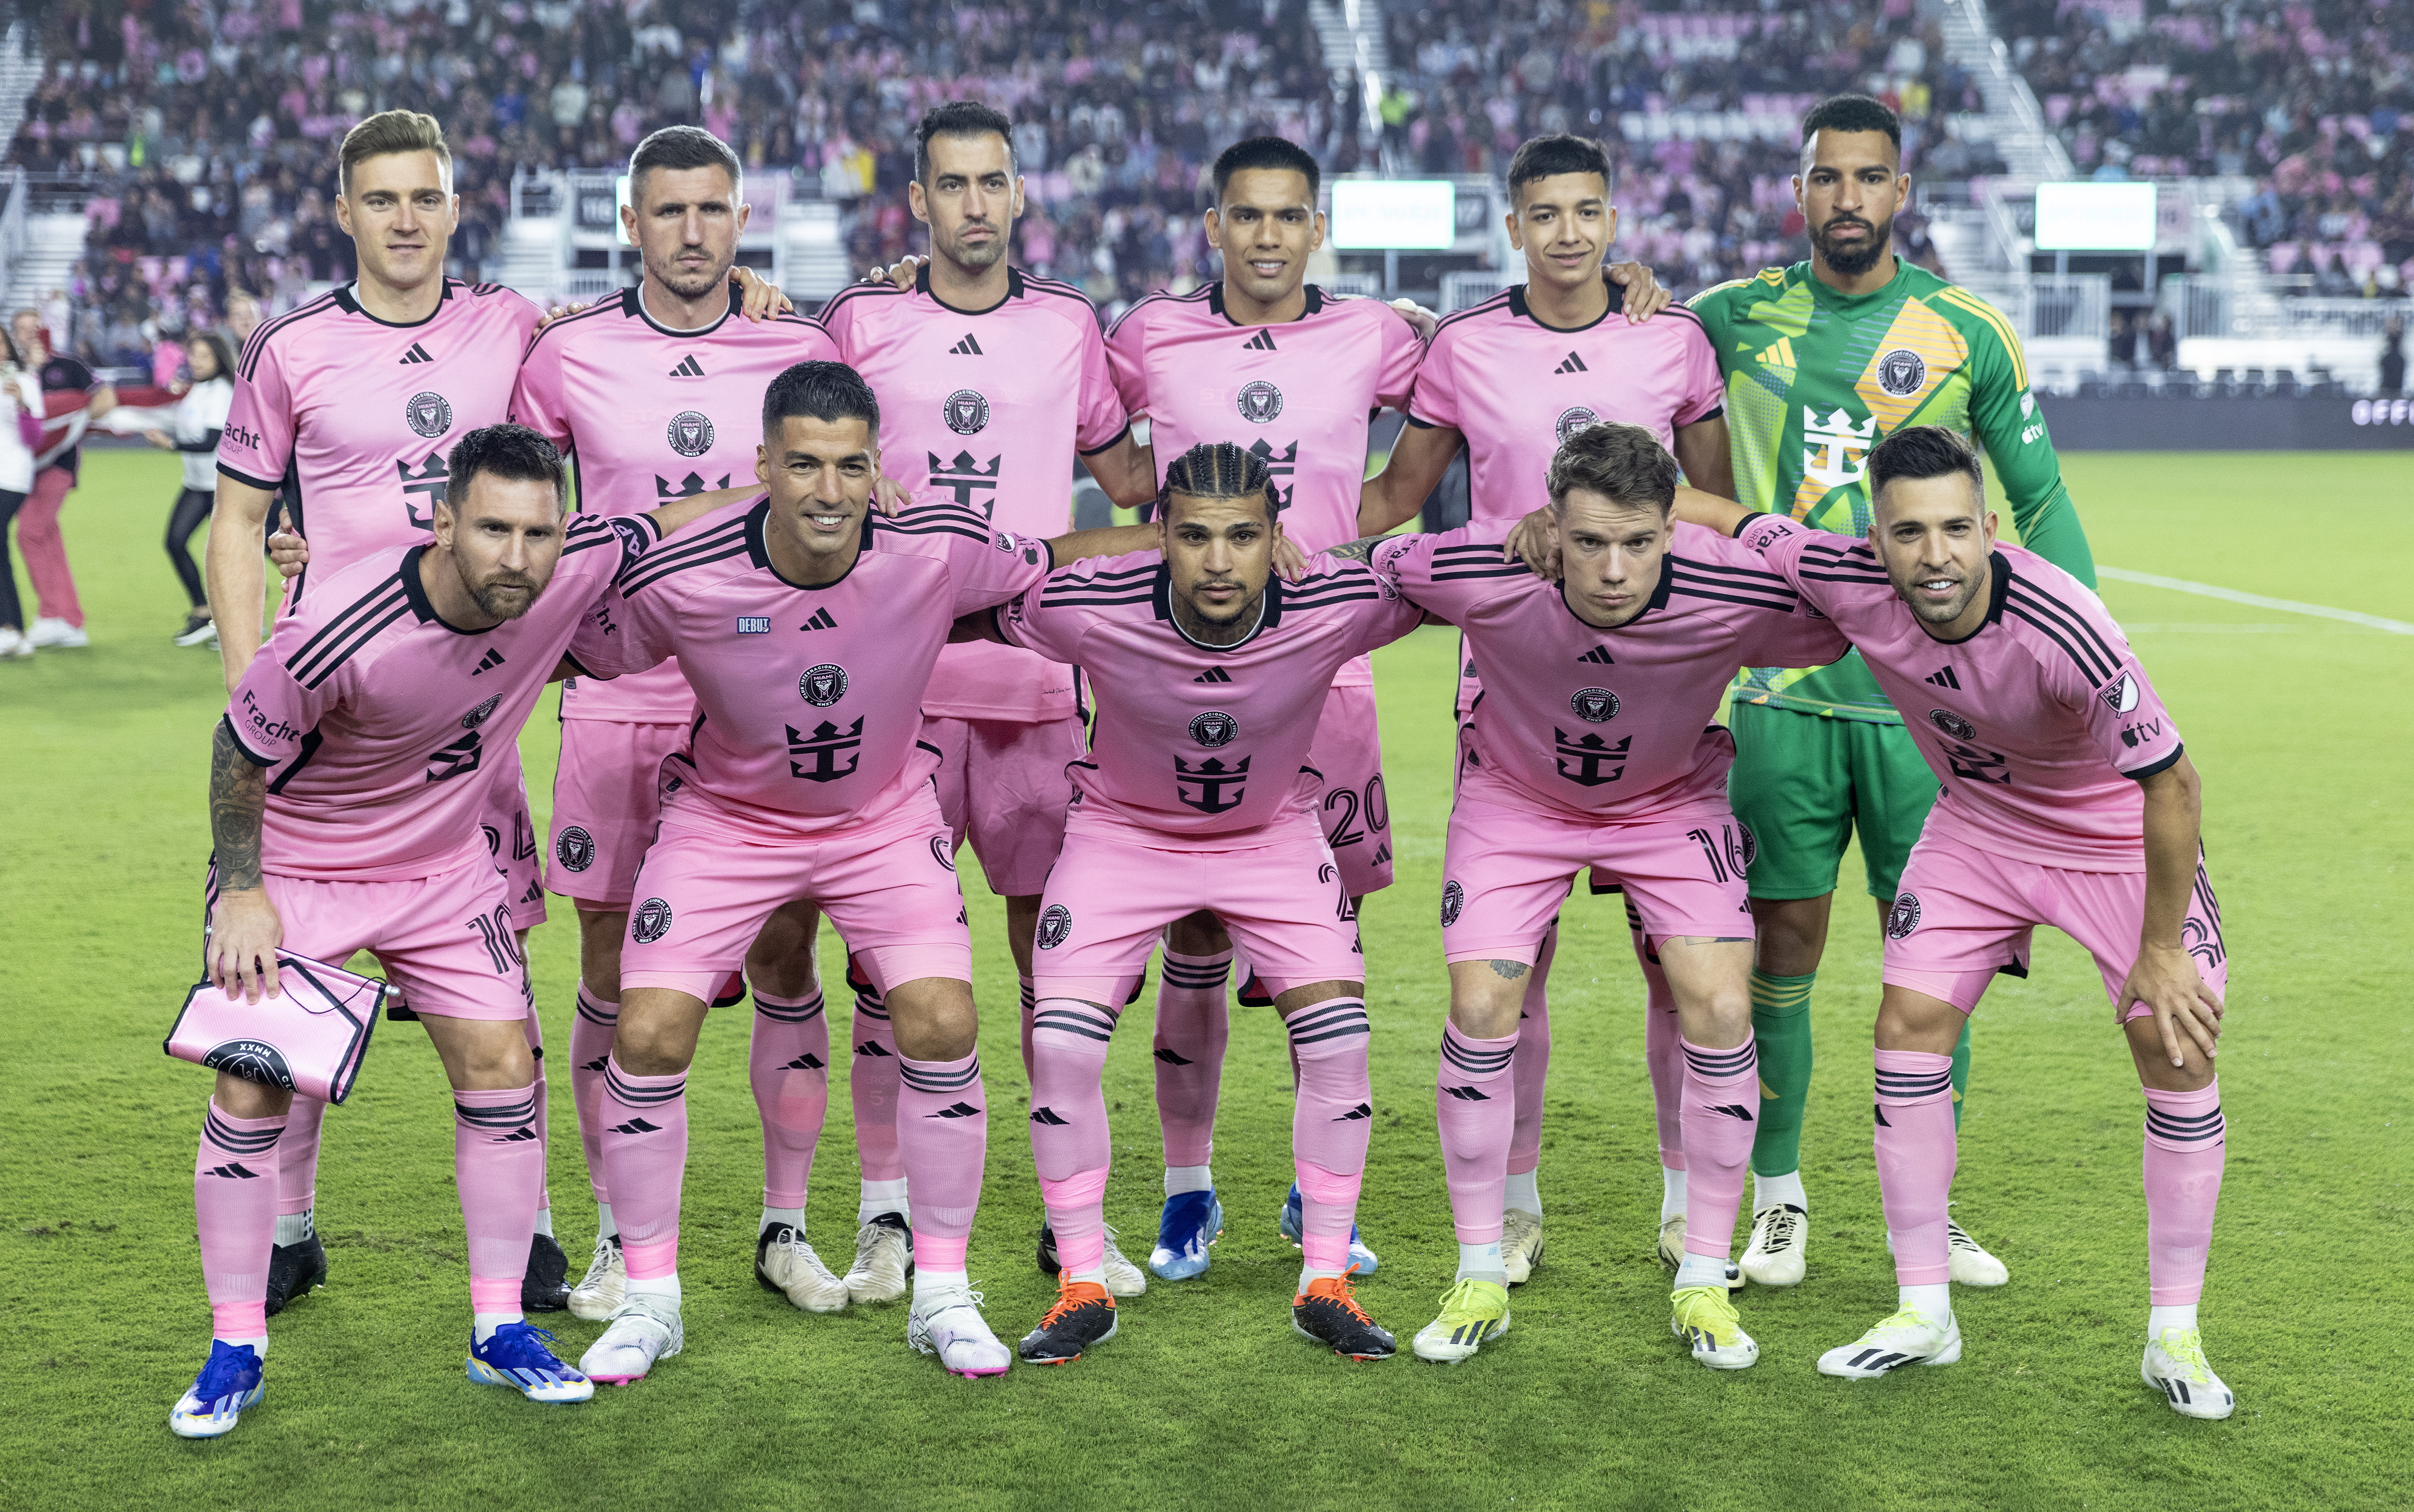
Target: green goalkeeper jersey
(1816, 378)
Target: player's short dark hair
(1276, 153)
(958, 118)
(1218, 469)
(820, 390)
(681, 146)
(513, 452)
(1623, 463)
(1543, 158)
(1924, 452)
(1852, 112)
(390, 131)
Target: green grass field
(1207, 1399)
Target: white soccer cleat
(947, 1323)
(1971, 1265)
(2174, 1366)
(1779, 1246)
(598, 1296)
(1905, 1338)
(644, 1329)
(57, 634)
(1124, 1279)
(784, 1263)
(1704, 1317)
(883, 1260)
(1521, 1244)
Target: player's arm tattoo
(1359, 550)
(238, 798)
(1509, 971)
(1711, 940)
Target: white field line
(2350, 617)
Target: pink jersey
(648, 413)
(1517, 388)
(357, 414)
(1198, 742)
(2037, 726)
(1608, 723)
(988, 408)
(366, 707)
(810, 697)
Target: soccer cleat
(883, 1260)
(544, 1286)
(784, 1263)
(598, 1297)
(1473, 1313)
(57, 634)
(1361, 1259)
(1085, 1314)
(1521, 1246)
(199, 629)
(215, 1403)
(643, 1329)
(2174, 1366)
(1192, 1222)
(1328, 1313)
(1124, 1279)
(1780, 1237)
(947, 1322)
(516, 1356)
(1704, 1317)
(1905, 1338)
(1672, 1251)
(1971, 1265)
(293, 1270)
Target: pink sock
(1329, 1125)
(1532, 1061)
(1193, 1022)
(534, 1028)
(1030, 1005)
(297, 1156)
(1722, 1113)
(498, 1164)
(590, 1047)
(789, 1064)
(235, 1207)
(645, 1160)
(872, 1079)
(1068, 1124)
(2186, 1137)
(1916, 1154)
(1663, 1056)
(942, 1138)
(1474, 1102)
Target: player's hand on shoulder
(1534, 542)
(897, 274)
(1644, 295)
(759, 298)
(2165, 979)
(889, 496)
(245, 932)
(290, 552)
(1423, 320)
(1289, 559)
(559, 312)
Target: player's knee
(933, 1018)
(649, 1044)
(1793, 933)
(1909, 1020)
(243, 1099)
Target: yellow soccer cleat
(1704, 1317)
(1473, 1313)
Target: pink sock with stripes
(644, 1164)
(1193, 1024)
(234, 1207)
(590, 1047)
(498, 1166)
(2187, 1140)
(1664, 1057)
(871, 1081)
(1720, 1115)
(1532, 1063)
(1474, 1104)
(1916, 1151)
(1330, 1124)
(942, 1139)
(787, 1063)
(1068, 1126)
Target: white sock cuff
(1181, 1178)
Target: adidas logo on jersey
(1573, 364)
(1599, 655)
(1213, 674)
(822, 620)
(688, 367)
(417, 355)
(1944, 678)
(966, 348)
(487, 663)
(1262, 341)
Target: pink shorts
(1963, 916)
(1348, 750)
(445, 941)
(606, 797)
(889, 886)
(1003, 786)
(1111, 896)
(510, 838)
(1506, 871)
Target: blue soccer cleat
(214, 1403)
(1192, 1222)
(516, 1356)
(1361, 1259)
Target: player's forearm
(238, 799)
(2174, 819)
(236, 581)
(1126, 470)
(1695, 507)
(1702, 452)
(1414, 469)
(682, 512)
(1110, 541)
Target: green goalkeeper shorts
(1803, 781)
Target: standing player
(991, 382)
(1511, 379)
(2067, 800)
(1592, 746)
(342, 823)
(1823, 360)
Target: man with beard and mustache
(1823, 360)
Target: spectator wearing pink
(58, 618)
(20, 431)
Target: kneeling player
(2067, 800)
(1592, 747)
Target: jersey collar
(350, 305)
(416, 593)
(758, 550)
(1161, 593)
(1999, 575)
(1894, 287)
(1013, 290)
(632, 303)
(1659, 599)
(1518, 307)
(1216, 302)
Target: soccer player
(990, 383)
(1823, 360)
(1592, 746)
(797, 596)
(2068, 799)
(346, 817)
(1200, 795)
(1509, 380)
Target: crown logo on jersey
(1902, 372)
(966, 411)
(1259, 402)
(972, 484)
(690, 432)
(1594, 705)
(1262, 341)
(1574, 419)
(966, 348)
(1214, 728)
(1834, 450)
(823, 686)
(1573, 364)
(428, 415)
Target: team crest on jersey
(690, 432)
(1573, 419)
(575, 848)
(428, 415)
(478, 716)
(1453, 898)
(1903, 917)
(1953, 724)
(1594, 705)
(942, 853)
(2120, 695)
(966, 412)
(652, 921)
(823, 686)
(1902, 372)
(254, 1060)
(1214, 728)
(1260, 402)
(1055, 925)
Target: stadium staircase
(2013, 119)
(54, 244)
(1350, 31)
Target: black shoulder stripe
(1873, 579)
(2069, 618)
(560, 322)
(1469, 574)
(1146, 570)
(1690, 592)
(858, 290)
(1329, 598)
(1496, 301)
(636, 582)
(683, 546)
(1689, 564)
(1679, 307)
(919, 532)
(347, 619)
(2088, 667)
(332, 658)
(1061, 289)
(250, 362)
(1058, 597)
(1472, 548)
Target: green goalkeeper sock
(1780, 1025)
(1961, 1069)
